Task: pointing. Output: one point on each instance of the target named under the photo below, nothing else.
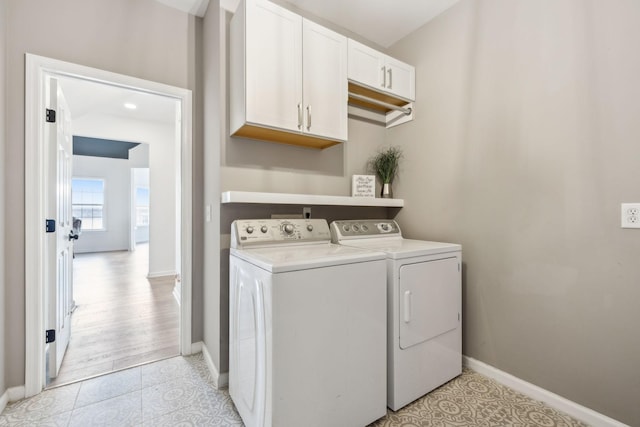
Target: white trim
(4, 399)
(567, 406)
(157, 274)
(219, 380)
(37, 67)
(196, 347)
(12, 394)
(177, 295)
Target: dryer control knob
(264, 228)
(310, 227)
(249, 229)
(288, 228)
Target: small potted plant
(385, 165)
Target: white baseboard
(176, 294)
(156, 274)
(4, 399)
(567, 406)
(219, 380)
(196, 347)
(12, 394)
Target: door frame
(37, 68)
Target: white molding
(567, 406)
(196, 347)
(177, 294)
(12, 394)
(169, 274)
(219, 380)
(37, 67)
(4, 399)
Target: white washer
(307, 331)
(424, 306)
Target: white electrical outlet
(630, 215)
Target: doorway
(38, 70)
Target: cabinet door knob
(390, 71)
(384, 76)
(299, 116)
(308, 116)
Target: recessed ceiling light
(130, 106)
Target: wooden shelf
(306, 199)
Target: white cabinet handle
(407, 306)
(308, 117)
(299, 116)
(390, 71)
(384, 76)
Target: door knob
(73, 236)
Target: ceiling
(383, 22)
(86, 97)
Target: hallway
(121, 318)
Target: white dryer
(424, 306)
(307, 330)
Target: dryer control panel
(265, 232)
(358, 229)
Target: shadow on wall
(273, 156)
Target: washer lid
(305, 256)
(404, 248)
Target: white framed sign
(363, 186)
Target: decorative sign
(363, 186)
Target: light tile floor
(180, 392)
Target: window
(142, 207)
(87, 199)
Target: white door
(325, 81)
(59, 290)
(274, 66)
(366, 65)
(400, 78)
(430, 294)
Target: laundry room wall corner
(3, 112)
(215, 319)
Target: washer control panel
(355, 229)
(253, 232)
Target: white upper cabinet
(380, 72)
(288, 77)
(324, 59)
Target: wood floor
(122, 318)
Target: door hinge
(51, 116)
(458, 266)
(458, 317)
(50, 336)
(50, 225)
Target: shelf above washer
(306, 199)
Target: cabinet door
(400, 78)
(324, 79)
(366, 65)
(273, 66)
(429, 297)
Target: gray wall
(3, 23)
(524, 145)
(140, 38)
(210, 103)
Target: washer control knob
(346, 227)
(310, 227)
(288, 228)
(384, 226)
(249, 229)
(356, 227)
(264, 228)
(364, 228)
